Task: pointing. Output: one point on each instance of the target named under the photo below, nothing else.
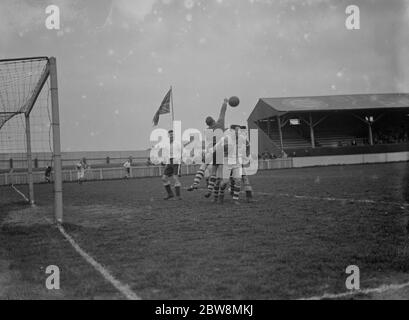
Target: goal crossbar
(24, 59)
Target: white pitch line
(381, 289)
(124, 289)
(20, 193)
(366, 201)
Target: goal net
(30, 152)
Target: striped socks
(211, 186)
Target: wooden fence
(119, 173)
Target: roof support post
(312, 133)
(280, 131)
(370, 133)
(312, 125)
(369, 122)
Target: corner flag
(164, 108)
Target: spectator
(82, 166)
(266, 155)
(127, 166)
(47, 174)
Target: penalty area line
(379, 290)
(331, 199)
(122, 288)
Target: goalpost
(30, 127)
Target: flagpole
(173, 120)
(171, 102)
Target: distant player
(47, 174)
(127, 166)
(81, 167)
(211, 158)
(172, 170)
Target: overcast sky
(117, 59)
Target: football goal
(30, 151)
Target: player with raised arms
(211, 157)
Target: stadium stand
(316, 125)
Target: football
(234, 102)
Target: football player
(172, 170)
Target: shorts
(208, 171)
(172, 170)
(228, 171)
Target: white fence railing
(119, 173)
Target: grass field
(296, 241)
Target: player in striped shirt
(211, 157)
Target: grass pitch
(296, 241)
